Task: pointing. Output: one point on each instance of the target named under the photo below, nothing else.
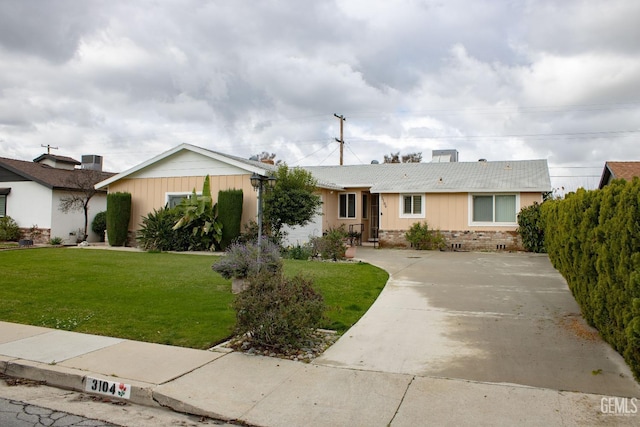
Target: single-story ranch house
(474, 204)
(31, 193)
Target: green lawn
(164, 298)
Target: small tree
(118, 215)
(293, 201)
(99, 224)
(82, 189)
(407, 158)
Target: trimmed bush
(331, 245)
(99, 224)
(421, 237)
(593, 239)
(530, 229)
(230, 215)
(278, 311)
(241, 260)
(118, 215)
(9, 230)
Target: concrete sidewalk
(273, 392)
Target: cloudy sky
(493, 79)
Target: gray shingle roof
(500, 176)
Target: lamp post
(257, 182)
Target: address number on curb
(108, 388)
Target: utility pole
(341, 140)
(48, 147)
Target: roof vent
(375, 162)
(482, 160)
(92, 162)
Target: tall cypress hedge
(118, 215)
(593, 239)
(229, 215)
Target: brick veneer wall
(42, 235)
(461, 240)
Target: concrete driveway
(490, 317)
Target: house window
(411, 206)
(347, 205)
(365, 206)
(175, 199)
(4, 192)
(495, 208)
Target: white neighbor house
(31, 193)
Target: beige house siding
(443, 211)
(331, 210)
(148, 194)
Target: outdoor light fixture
(257, 182)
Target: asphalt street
(14, 413)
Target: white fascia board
(189, 147)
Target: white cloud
(495, 79)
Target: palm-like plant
(201, 215)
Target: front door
(374, 216)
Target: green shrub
(421, 237)
(9, 230)
(55, 241)
(230, 215)
(298, 251)
(277, 311)
(331, 245)
(244, 260)
(99, 224)
(593, 239)
(531, 229)
(118, 215)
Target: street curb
(73, 379)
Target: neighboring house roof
(501, 176)
(60, 159)
(45, 175)
(619, 170)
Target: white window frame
(355, 205)
(185, 194)
(402, 214)
(493, 223)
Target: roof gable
(189, 160)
